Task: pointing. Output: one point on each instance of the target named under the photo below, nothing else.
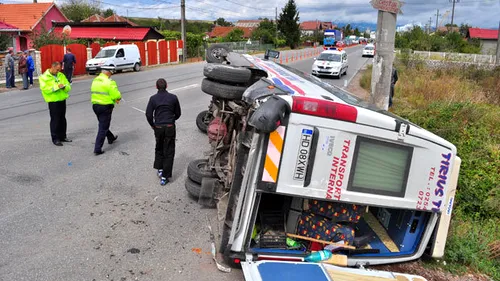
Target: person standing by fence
(9, 70)
(23, 70)
(31, 67)
(68, 64)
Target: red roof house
(94, 18)
(223, 31)
(309, 27)
(248, 23)
(117, 18)
(115, 31)
(29, 18)
(488, 38)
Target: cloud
(480, 13)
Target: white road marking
(140, 110)
(173, 90)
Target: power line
(248, 6)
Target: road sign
(391, 6)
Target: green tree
(464, 29)
(5, 41)
(348, 30)
(108, 12)
(234, 35)
(222, 22)
(288, 24)
(356, 32)
(265, 33)
(78, 10)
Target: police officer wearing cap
(104, 96)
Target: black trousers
(165, 149)
(58, 123)
(103, 113)
(68, 72)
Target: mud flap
(209, 187)
(270, 115)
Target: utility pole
(183, 29)
(453, 12)
(276, 24)
(430, 24)
(384, 57)
(437, 19)
(498, 46)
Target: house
(9, 30)
(248, 23)
(223, 31)
(29, 19)
(487, 37)
(112, 31)
(308, 28)
(112, 18)
(94, 18)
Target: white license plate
(303, 154)
(92, 68)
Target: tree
(78, 10)
(347, 30)
(356, 32)
(265, 33)
(108, 12)
(222, 22)
(464, 29)
(288, 24)
(5, 41)
(234, 35)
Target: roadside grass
(463, 107)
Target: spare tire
(192, 188)
(227, 73)
(222, 91)
(202, 120)
(216, 53)
(197, 170)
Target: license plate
(303, 154)
(324, 71)
(92, 68)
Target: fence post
(89, 53)
(146, 52)
(38, 63)
(158, 51)
(475, 57)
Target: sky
(477, 13)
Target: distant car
(331, 63)
(368, 51)
(340, 44)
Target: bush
(366, 79)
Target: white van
(120, 57)
(331, 62)
(300, 150)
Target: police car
(369, 50)
(331, 62)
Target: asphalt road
(66, 214)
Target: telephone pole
(453, 12)
(437, 18)
(183, 29)
(430, 25)
(276, 23)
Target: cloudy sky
(478, 13)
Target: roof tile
(24, 16)
(109, 33)
(483, 33)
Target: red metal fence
(96, 47)
(142, 51)
(172, 46)
(50, 54)
(152, 53)
(163, 46)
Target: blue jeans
(9, 78)
(30, 76)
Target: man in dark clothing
(394, 79)
(68, 64)
(162, 111)
(9, 70)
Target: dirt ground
(415, 267)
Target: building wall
(53, 15)
(488, 47)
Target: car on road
(340, 44)
(290, 155)
(332, 62)
(368, 51)
(118, 57)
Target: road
(66, 214)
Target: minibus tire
(222, 91)
(196, 171)
(192, 188)
(227, 73)
(217, 53)
(200, 121)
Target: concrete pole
(384, 57)
(498, 46)
(183, 29)
(437, 19)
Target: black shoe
(110, 141)
(66, 140)
(58, 143)
(362, 240)
(99, 153)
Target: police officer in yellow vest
(55, 88)
(105, 94)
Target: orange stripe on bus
(271, 168)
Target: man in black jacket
(162, 111)
(394, 79)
